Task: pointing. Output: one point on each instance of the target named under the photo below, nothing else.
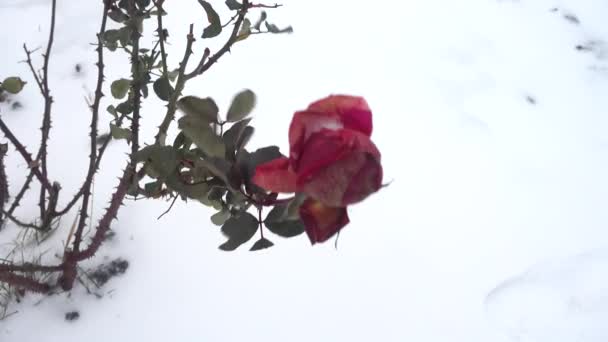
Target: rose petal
(331, 113)
(320, 150)
(367, 181)
(305, 124)
(322, 221)
(276, 176)
(339, 168)
(353, 111)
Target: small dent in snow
(598, 48)
(531, 99)
(572, 18)
(72, 316)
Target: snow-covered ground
(493, 127)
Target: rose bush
(332, 161)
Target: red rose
(331, 159)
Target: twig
(264, 6)
(179, 86)
(170, 207)
(21, 193)
(26, 156)
(203, 66)
(199, 68)
(3, 182)
(161, 35)
(19, 222)
(28, 54)
(231, 40)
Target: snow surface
(494, 228)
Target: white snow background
(494, 228)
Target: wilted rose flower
(331, 159)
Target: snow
(493, 228)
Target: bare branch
(24, 282)
(179, 86)
(48, 101)
(86, 187)
(26, 156)
(19, 222)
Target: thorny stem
(203, 66)
(260, 208)
(3, 182)
(28, 54)
(231, 40)
(86, 187)
(21, 193)
(19, 222)
(48, 100)
(26, 156)
(29, 268)
(125, 181)
(179, 86)
(161, 36)
(20, 281)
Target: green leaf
(215, 25)
(202, 136)
(261, 19)
(163, 160)
(125, 107)
(112, 110)
(163, 88)
(125, 36)
(272, 28)
(244, 138)
(111, 36)
(102, 138)
(276, 221)
(117, 15)
(245, 30)
(233, 5)
(239, 230)
(120, 88)
(234, 134)
(204, 109)
(216, 166)
(242, 105)
(262, 155)
(112, 46)
(220, 217)
(180, 140)
(12, 85)
(119, 132)
(142, 4)
(152, 189)
(173, 75)
(262, 243)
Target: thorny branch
(23, 276)
(48, 101)
(86, 187)
(26, 156)
(205, 63)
